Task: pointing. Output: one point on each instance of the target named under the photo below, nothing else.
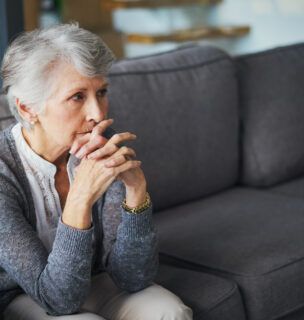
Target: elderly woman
(76, 232)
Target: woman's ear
(27, 113)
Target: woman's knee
(24, 308)
(153, 303)
(168, 306)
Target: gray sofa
(221, 140)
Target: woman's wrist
(135, 197)
(79, 198)
(138, 209)
(77, 214)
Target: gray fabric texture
(6, 117)
(60, 281)
(293, 188)
(211, 297)
(297, 315)
(272, 111)
(183, 107)
(250, 236)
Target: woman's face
(76, 105)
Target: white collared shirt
(41, 177)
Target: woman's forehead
(68, 78)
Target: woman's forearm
(133, 260)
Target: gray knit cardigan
(126, 244)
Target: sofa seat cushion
(271, 106)
(183, 106)
(296, 315)
(293, 188)
(209, 296)
(251, 236)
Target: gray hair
(30, 60)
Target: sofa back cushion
(183, 107)
(272, 111)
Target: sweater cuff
(137, 225)
(73, 241)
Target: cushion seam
(268, 52)
(179, 49)
(224, 298)
(201, 267)
(257, 164)
(186, 67)
(298, 307)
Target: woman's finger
(126, 155)
(115, 161)
(117, 138)
(101, 127)
(115, 171)
(97, 131)
(79, 142)
(127, 166)
(91, 146)
(126, 151)
(106, 150)
(111, 149)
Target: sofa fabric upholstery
(189, 99)
(292, 188)
(6, 117)
(221, 140)
(211, 297)
(296, 315)
(250, 236)
(270, 83)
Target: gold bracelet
(139, 208)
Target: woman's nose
(96, 111)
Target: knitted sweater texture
(126, 244)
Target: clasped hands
(102, 161)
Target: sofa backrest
(183, 106)
(271, 85)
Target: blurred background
(134, 28)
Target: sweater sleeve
(58, 282)
(129, 241)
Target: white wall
(273, 23)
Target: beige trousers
(107, 302)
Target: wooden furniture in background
(31, 11)
(92, 16)
(118, 4)
(190, 34)
(194, 34)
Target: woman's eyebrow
(76, 89)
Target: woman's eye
(102, 93)
(78, 97)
